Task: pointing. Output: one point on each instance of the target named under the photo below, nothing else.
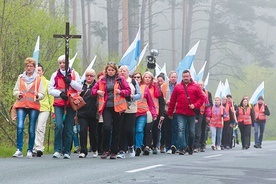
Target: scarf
(28, 79)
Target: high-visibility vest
(142, 104)
(227, 109)
(202, 108)
(164, 88)
(120, 104)
(216, 119)
(27, 100)
(155, 100)
(259, 112)
(244, 116)
(58, 101)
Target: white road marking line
(144, 168)
(211, 156)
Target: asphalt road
(254, 166)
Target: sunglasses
(89, 75)
(136, 77)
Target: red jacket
(180, 102)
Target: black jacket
(90, 110)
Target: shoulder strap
(187, 95)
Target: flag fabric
(141, 56)
(193, 72)
(131, 56)
(157, 70)
(226, 89)
(206, 81)
(36, 51)
(90, 66)
(71, 61)
(186, 61)
(200, 74)
(219, 90)
(258, 92)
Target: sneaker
(190, 150)
(105, 154)
(218, 148)
(18, 154)
(66, 156)
(95, 154)
(169, 151)
(56, 155)
(76, 150)
(39, 153)
(113, 156)
(29, 154)
(237, 142)
(82, 155)
(138, 152)
(131, 151)
(196, 150)
(173, 148)
(162, 149)
(182, 152)
(154, 151)
(202, 150)
(121, 154)
(213, 147)
(146, 151)
(256, 146)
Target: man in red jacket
(186, 98)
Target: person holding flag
(64, 114)
(28, 90)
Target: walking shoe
(173, 148)
(190, 150)
(237, 142)
(256, 146)
(29, 154)
(182, 152)
(196, 150)
(56, 155)
(82, 155)
(146, 151)
(154, 151)
(105, 154)
(66, 156)
(202, 150)
(138, 152)
(18, 154)
(218, 148)
(95, 154)
(169, 151)
(162, 149)
(113, 156)
(77, 149)
(121, 154)
(131, 151)
(213, 147)
(39, 153)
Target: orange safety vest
(202, 108)
(142, 104)
(120, 103)
(227, 109)
(27, 100)
(244, 117)
(216, 119)
(164, 89)
(58, 101)
(259, 112)
(155, 100)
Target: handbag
(149, 117)
(77, 101)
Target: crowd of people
(129, 114)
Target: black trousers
(90, 125)
(148, 134)
(100, 138)
(245, 134)
(111, 127)
(203, 125)
(127, 131)
(227, 134)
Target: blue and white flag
(142, 54)
(206, 81)
(71, 61)
(193, 71)
(131, 56)
(90, 66)
(186, 61)
(200, 74)
(219, 90)
(258, 92)
(226, 89)
(36, 51)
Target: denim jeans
(174, 132)
(63, 130)
(259, 137)
(186, 131)
(76, 130)
(21, 115)
(139, 130)
(216, 135)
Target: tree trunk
(143, 15)
(209, 39)
(150, 24)
(113, 27)
(75, 13)
(66, 10)
(189, 27)
(184, 27)
(89, 33)
(52, 7)
(84, 35)
(173, 33)
(125, 41)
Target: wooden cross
(67, 38)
